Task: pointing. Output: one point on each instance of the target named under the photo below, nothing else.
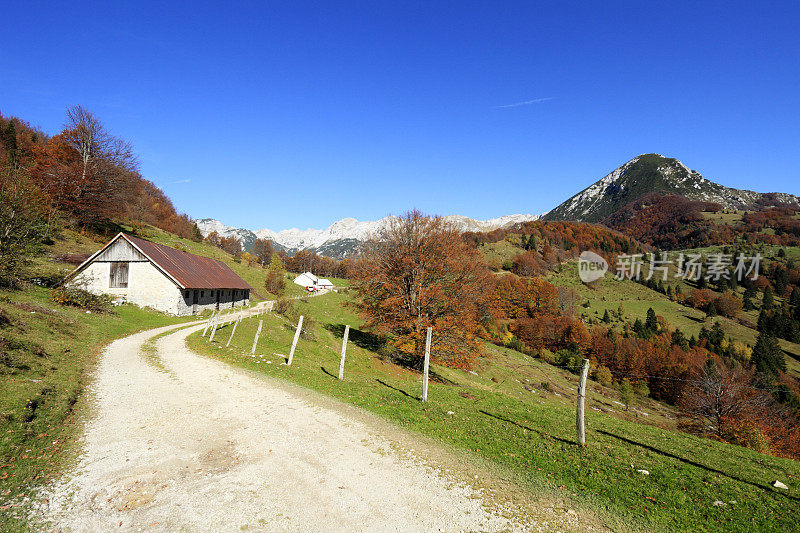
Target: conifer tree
(769, 299)
(767, 356)
(651, 322)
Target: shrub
(547, 356)
(568, 359)
(641, 389)
(81, 298)
(747, 434)
(284, 306)
(516, 344)
(546, 386)
(603, 376)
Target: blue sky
(241, 111)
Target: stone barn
(152, 275)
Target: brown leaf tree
(416, 273)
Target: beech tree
(418, 272)
(262, 251)
(720, 395)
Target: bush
(641, 389)
(516, 344)
(603, 376)
(547, 356)
(747, 434)
(82, 299)
(569, 359)
(546, 386)
(284, 306)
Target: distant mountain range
(342, 237)
(642, 177)
(653, 173)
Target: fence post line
(294, 342)
(579, 409)
(255, 339)
(235, 323)
(426, 368)
(208, 324)
(344, 351)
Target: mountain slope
(654, 173)
(343, 236)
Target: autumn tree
(417, 273)
(22, 225)
(275, 281)
(262, 251)
(720, 394)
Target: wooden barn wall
(120, 250)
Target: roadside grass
(518, 413)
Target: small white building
(152, 275)
(312, 282)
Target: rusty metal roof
(188, 270)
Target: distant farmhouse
(312, 282)
(153, 275)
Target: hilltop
(650, 174)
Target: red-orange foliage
(419, 273)
(99, 185)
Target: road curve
(182, 442)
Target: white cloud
(187, 180)
(526, 102)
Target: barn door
(194, 302)
(218, 299)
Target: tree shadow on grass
(401, 391)
(671, 455)
(542, 433)
(377, 344)
(362, 339)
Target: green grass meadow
(506, 415)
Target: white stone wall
(149, 287)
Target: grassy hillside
(518, 414)
(611, 294)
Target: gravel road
(182, 442)
(179, 442)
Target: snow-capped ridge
(347, 230)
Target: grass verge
(518, 413)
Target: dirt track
(182, 442)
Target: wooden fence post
(579, 410)
(427, 365)
(255, 340)
(344, 350)
(208, 324)
(235, 323)
(294, 342)
(213, 331)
